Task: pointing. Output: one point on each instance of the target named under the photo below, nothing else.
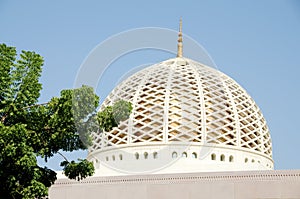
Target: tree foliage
(28, 129)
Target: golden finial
(179, 45)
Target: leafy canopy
(28, 129)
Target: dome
(186, 117)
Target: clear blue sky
(257, 43)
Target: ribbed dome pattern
(180, 101)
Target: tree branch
(63, 156)
(35, 105)
(26, 107)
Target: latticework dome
(184, 107)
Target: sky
(257, 43)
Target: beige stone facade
(237, 184)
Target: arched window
(113, 158)
(174, 155)
(137, 156)
(213, 156)
(106, 158)
(184, 155)
(121, 157)
(146, 155)
(194, 155)
(154, 155)
(252, 160)
(222, 157)
(231, 158)
(246, 160)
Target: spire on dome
(179, 45)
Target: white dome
(187, 117)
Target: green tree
(29, 130)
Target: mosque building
(193, 132)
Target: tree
(28, 129)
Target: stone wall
(238, 184)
